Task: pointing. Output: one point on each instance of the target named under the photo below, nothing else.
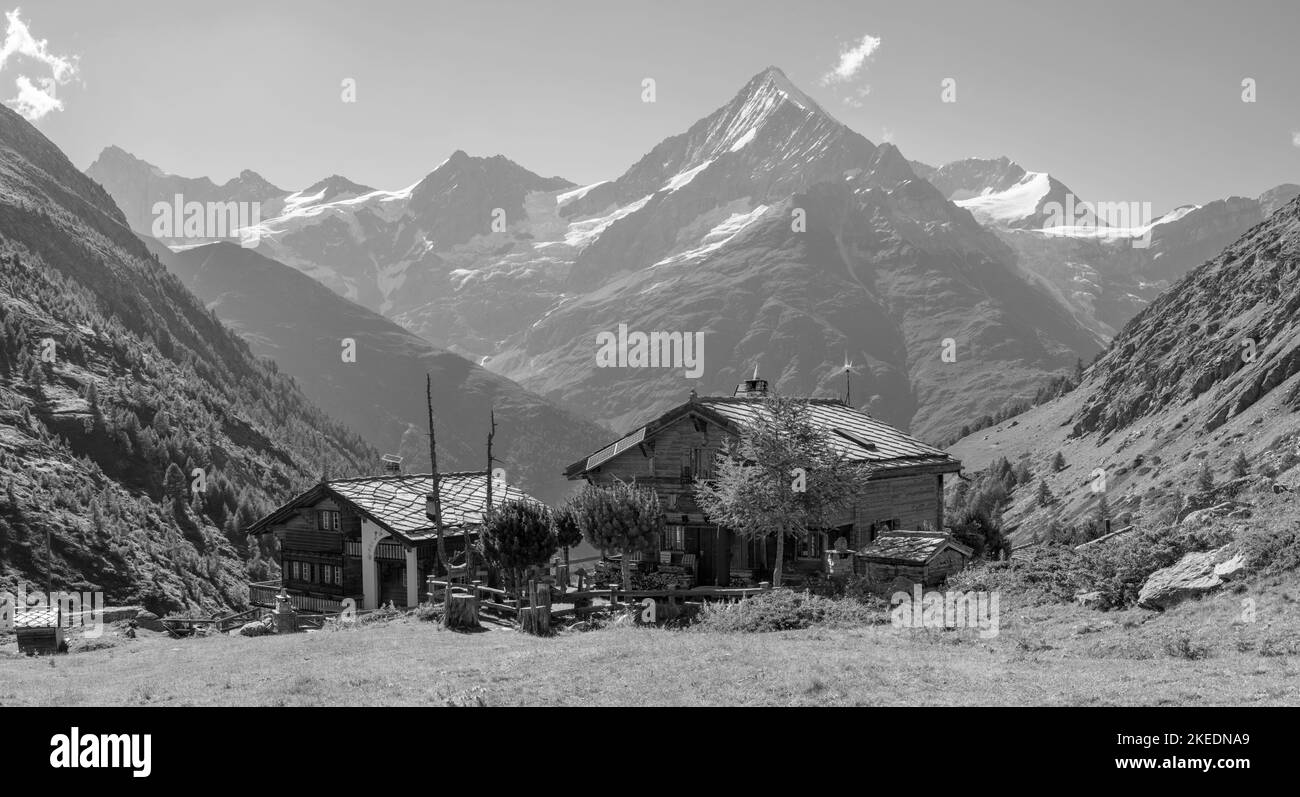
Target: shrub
(1181, 646)
(977, 531)
(1205, 477)
(1269, 549)
(785, 610)
(429, 613)
(618, 517)
(517, 535)
(1052, 574)
(1120, 567)
(1240, 466)
(1280, 646)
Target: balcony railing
(385, 550)
(263, 593)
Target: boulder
(256, 628)
(1192, 576)
(1220, 494)
(149, 621)
(1199, 517)
(1231, 568)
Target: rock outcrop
(1194, 575)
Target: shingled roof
(396, 502)
(851, 432)
(911, 547)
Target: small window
(813, 546)
(338, 575)
(296, 570)
(700, 465)
(327, 520)
(674, 538)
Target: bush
(1269, 549)
(977, 531)
(1120, 567)
(785, 610)
(517, 535)
(1181, 646)
(1052, 574)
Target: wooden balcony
(392, 551)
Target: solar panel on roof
(609, 452)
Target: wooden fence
(507, 605)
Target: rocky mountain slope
(137, 433)
(302, 326)
(1207, 373)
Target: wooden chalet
(905, 490)
(371, 539)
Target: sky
(1121, 101)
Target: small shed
(38, 632)
(920, 557)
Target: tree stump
(535, 620)
(462, 612)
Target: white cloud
(36, 95)
(1295, 138)
(852, 60)
(33, 102)
(856, 99)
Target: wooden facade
(370, 540)
(669, 452)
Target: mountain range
(779, 233)
(1105, 274)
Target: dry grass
(1199, 654)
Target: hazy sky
(1123, 101)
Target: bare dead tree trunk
(436, 493)
(492, 431)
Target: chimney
(751, 388)
(392, 465)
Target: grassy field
(1198, 654)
